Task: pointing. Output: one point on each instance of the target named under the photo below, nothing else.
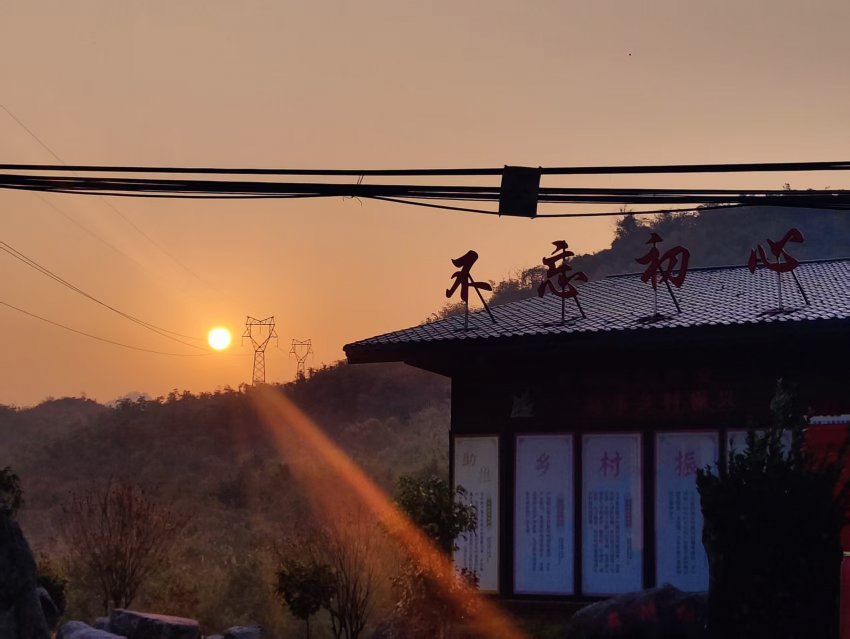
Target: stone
(244, 632)
(658, 613)
(21, 616)
(80, 630)
(144, 625)
(102, 623)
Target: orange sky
(376, 84)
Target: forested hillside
(213, 458)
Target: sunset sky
(375, 84)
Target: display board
(476, 468)
(679, 554)
(544, 529)
(612, 514)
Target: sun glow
(219, 338)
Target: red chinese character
(557, 266)
(686, 463)
(778, 251)
(611, 464)
(664, 265)
(463, 277)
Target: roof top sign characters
(783, 262)
(669, 267)
(557, 266)
(463, 280)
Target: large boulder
(658, 613)
(80, 630)
(21, 616)
(144, 625)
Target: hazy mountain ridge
(212, 457)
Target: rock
(80, 630)
(244, 632)
(143, 625)
(21, 616)
(658, 613)
(48, 607)
(102, 623)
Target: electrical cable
(108, 204)
(98, 338)
(752, 167)
(164, 332)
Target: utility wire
(98, 338)
(565, 170)
(164, 332)
(661, 199)
(111, 206)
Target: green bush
(773, 521)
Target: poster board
(544, 527)
(679, 554)
(612, 514)
(476, 468)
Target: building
(579, 441)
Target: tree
(426, 607)
(120, 536)
(333, 565)
(305, 586)
(773, 519)
(11, 495)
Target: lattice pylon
(260, 332)
(301, 349)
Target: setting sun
(219, 338)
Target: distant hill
(211, 455)
(213, 459)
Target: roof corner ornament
(565, 289)
(783, 262)
(669, 267)
(463, 279)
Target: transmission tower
(260, 332)
(301, 349)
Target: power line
(97, 337)
(751, 167)
(662, 199)
(164, 332)
(108, 204)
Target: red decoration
(669, 267)
(783, 262)
(758, 254)
(463, 277)
(566, 290)
(665, 264)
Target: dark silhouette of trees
(773, 520)
(426, 607)
(334, 565)
(11, 495)
(119, 536)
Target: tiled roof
(709, 296)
